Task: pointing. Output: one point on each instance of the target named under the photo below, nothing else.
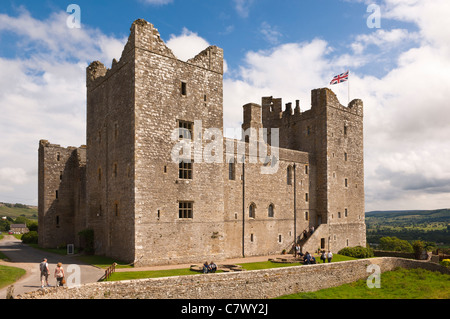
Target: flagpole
(348, 88)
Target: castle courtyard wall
(256, 284)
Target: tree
(395, 244)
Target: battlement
(273, 112)
(144, 36)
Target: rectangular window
(345, 130)
(306, 169)
(185, 130)
(185, 209)
(185, 170)
(56, 194)
(306, 197)
(231, 171)
(345, 157)
(183, 88)
(346, 182)
(116, 209)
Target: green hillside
(427, 225)
(15, 210)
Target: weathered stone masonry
(256, 284)
(147, 209)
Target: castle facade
(158, 185)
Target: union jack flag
(340, 78)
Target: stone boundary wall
(257, 284)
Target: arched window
(252, 211)
(270, 210)
(289, 175)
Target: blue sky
(280, 48)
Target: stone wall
(61, 191)
(257, 284)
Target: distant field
(427, 225)
(14, 212)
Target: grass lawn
(9, 275)
(102, 262)
(151, 274)
(182, 272)
(397, 284)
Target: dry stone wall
(257, 284)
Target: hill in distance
(15, 210)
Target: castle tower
(135, 188)
(333, 136)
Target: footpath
(28, 258)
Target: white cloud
(15, 176)
(406, 109)
(270, 34)
(383, 39)
(42, 93)
(243, 7)
(186, 45)
(288, 71)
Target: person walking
(323, 257)
(43, 267)
(59, 275)
(329, 256)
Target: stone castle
(146, 208)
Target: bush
(356, 252)
(446, 263)
(30, 237)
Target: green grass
(151, 274)
(102, 262)
(186, 271)
(9, 275)
(397, 284)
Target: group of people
(326, 256)
(310, 259)
(211, 267)
(59, 274)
